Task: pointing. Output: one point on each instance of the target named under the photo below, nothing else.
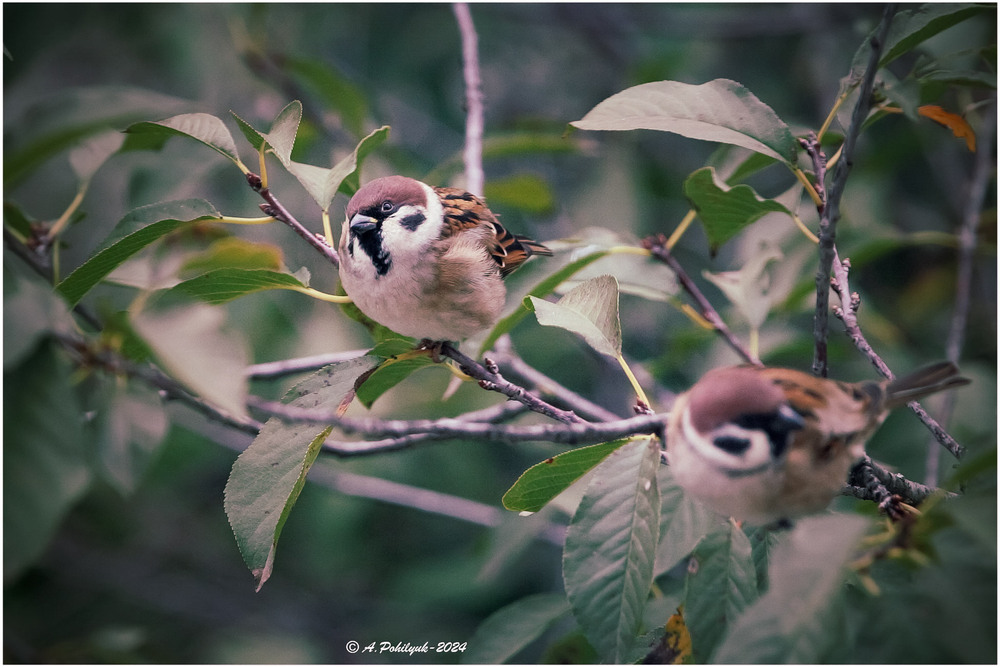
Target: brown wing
(463, 210)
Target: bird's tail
(924, 382)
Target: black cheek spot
(733, 445)
(412, 221)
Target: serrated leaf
(281, 138)
(132, 233)
(791, 622)
(224, 285)
(721, 582)
(544, 481)
(509, 630)
(191, 346)
(45, 470)
(683, 523)
(88, 157)
(268, 476)
(611, 547)
(724, 211)
(202, 127)
(323, 184)
(589, 310)
(721, 110)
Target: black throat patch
(371, 243)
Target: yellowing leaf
(677, 639)
(959, 127)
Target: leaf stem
(322, 296)
(681, 228)
(635, 383)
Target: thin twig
(847, 313)
(473, 152)
(578, 433)
(658, 249)
(493, 415)
(830, 213)
(275, 209)
(277, 369)
(489, 378)
(504, 355)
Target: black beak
(362, 224)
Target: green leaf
(915, 25)
(725, 211)
(509, 630)
(611, 547)
(544, 481)
(281, 138)
(192, 347)
(390, 373)
(720, 110)
(589, 310)
(269, 475)
(44, 462)
(132, 233)
(721, 582)
(323, 184)
(683, 523)
(543, 288)
(203, 127)
(223, 285)
(792, 622)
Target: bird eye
(387, 206)
(732, 444)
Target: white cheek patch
(754, 457)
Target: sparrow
(767, 445)
(427, 262)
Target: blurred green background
(154, 575)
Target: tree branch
(275, 209)
(504, 355)
(657, 246)
(489, 378)
(830, 210)
(473, 152)
(277, 369)
(579, 433)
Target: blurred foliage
(130, 557)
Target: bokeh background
(154, 575)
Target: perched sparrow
(427, 262)
(765, 444)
